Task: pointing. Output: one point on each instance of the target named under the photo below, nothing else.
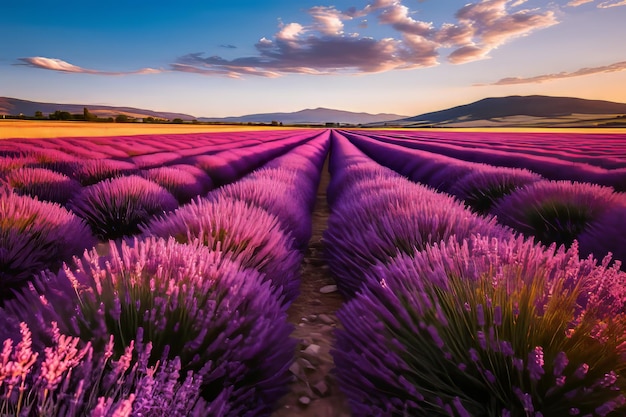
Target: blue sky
(216, 58)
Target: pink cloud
(616, 67)
(55, 64)
(608, 4)
(603, 5)
(491, 23)
(576, 3)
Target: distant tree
(177, 120)
(121, 118)
(88, 116)
(148, 119)
(274, 123)
(38, 115)
(60, 115)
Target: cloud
(323, 45)
(607, 4)
(311, 55)
(55, 64)
(328, 20)
(576, 3)
(603, 5)
(616, 67)
(490, 24)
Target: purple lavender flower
(183, 185)
(555, 211)
(34, 236)
(246, 233)
(222, 321)
(539, 292)
(483, 188)
(43, 184)
(115, 208)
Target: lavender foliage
(115, 208)
(376, 219)
(36, 235)
(244, 232)
(43, 184)
(555, 211)
(183, 185)
(480, 190)
(187, 303)
(486, 327)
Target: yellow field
(57, 129)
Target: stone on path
(327, 289)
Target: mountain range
(511, 111)
(514, 111)
(309, 116)
(15, 106)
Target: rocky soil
(314, 391)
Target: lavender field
(481, 273)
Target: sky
(214, 58)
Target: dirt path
(314, 391)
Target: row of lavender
(452, 315)
(38, 168)
(581, 157)
(552, 211)
(186, 319)
(113, 197)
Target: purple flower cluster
(572, 157)
(35, 235)
(182, 307)
(68, 379)
(182, 184)
(42, 183)
(378, 214)
(242, 231)
(482, 189)
(115, 208)
(558, 211)
(485, 326)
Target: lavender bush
(188, 303)
(92, 171)
(374, 221)
(43, 184)
(607, 234)
(288, 200)
(555, 211)
(244, 232)
(35, 235)
(486, 327)
(183, 185)
(480, 190)
(115, 208)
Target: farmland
(177, 272)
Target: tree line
(87, 116)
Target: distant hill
(523, 110)
(14, 106)
(312, 116)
